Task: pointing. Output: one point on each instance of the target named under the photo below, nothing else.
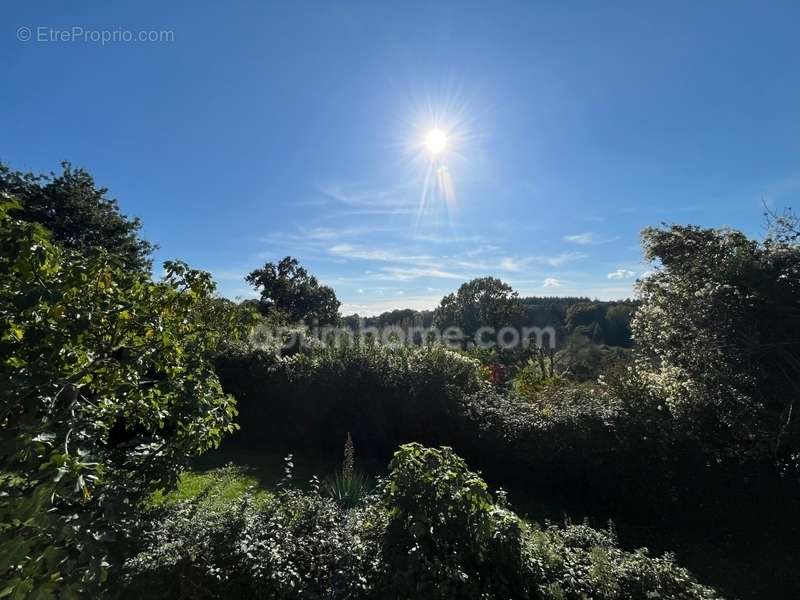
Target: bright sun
(435, 141)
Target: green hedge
(612, 441)
(383, 396)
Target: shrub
(384, 396)
(432, 531)
(609, 439)
(533, 378)
(718, 335)
(348, 489)
(446, 538)
(580, 562)
(284, 546)
(190, 549)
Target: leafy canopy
(288, 290)
(107, 389)
(78, 213)
(482, 302)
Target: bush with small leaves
(446, 538)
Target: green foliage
(611, 324)
(532, 378)
(188, 550)
(446, 538)
(482, 302)
(287, 289)
(433, 531)
(78, 213)
(584, 314)
(384, 396)
(581, 360)
(718, 332)
(558, 430)
(580, 562)
(107, 390)
(617, 325)
(283, 546)
(601, 322)
(404, 318)
(348, 487)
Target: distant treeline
(603, 322)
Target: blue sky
(265, 129)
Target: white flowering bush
(718, 336)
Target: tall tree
(289, 291)
(78, 214)
(482, 302)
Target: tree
(288, 289)
(617, 325)
(482, 302)
(586, 318)
(78, 214)
(719, 332)
(107, 390)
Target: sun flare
(436, 141)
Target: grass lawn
(228, 472)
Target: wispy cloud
(364, 200)
(363, 253)
(560, 259)
(446, 238)
(588, 238)
(406, 274)
(621, 274)
(377, 263)
(584, 239)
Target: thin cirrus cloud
(352, 201)
(588, 238)
(560, 259)
(362, 253)
(407, 274)
(621, 274)
(516, 265)
(365, 198)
